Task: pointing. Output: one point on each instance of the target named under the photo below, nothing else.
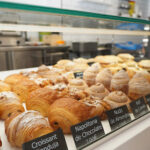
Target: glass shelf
(15, 16)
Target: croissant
(104, 77)
(116, 99)
(90, 74)
(23, 88)
(77, 88)
(9, 103)
(23, 127)
(41, 99)
(4, 86)
(97, 91)
(14, 78)
(138, 86)
(66, 112)
(120, 81)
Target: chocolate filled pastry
(26, 126)
(65, 112)
(9, 103)
(23, 88)
(97, 91)
(41, 99)
(98, 107)
(116, 99)
(77, 88)
(14, 78)
(138, 86)
(104, 77)
(90, 74)
(4, 86)
(120, 81)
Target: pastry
(77, 88)
(145, 64)
(23, 88)
(104, 77)
(80, 60)
(120, 81)
(138, 86)
(115, 69)
(126, 56)
(65, 112)
(90, 74)
(14, 78)
(41, 99)
(97, 91)
(79, 67)
(116, 99)
(99, 107)
(4, 86)
(26, 126)
(110, 61)
(9, 103)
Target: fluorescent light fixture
(71, 30)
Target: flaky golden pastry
(65, 112)
(80, 60)
(41, 99)
(120, 81)
(14, 78)
(116, 99)
(90, 74)
(9, 103)
(138, 86)
(4, 86)
(104, 77)
(23, 88)
(26, 126)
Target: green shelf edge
(58, 11)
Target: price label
(87, 132)
(78, 75)
(91, 63)
(51, 141)
(138, 107)
(118, 117)
(148, 99)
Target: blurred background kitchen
(19, 49)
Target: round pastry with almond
(138, 86)
(120, 81)
(104, 77)
(116, 99)
(90, 74)
(97, 91)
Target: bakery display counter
(99, 103)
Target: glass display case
(90, 33)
